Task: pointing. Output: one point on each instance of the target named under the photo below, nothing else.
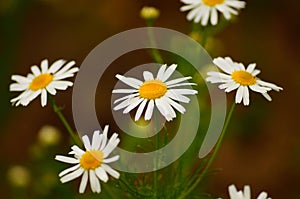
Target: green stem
(155, 53)
(57, 110)
(213, 156)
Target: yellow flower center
(91, 159)
(40, 81)
(152, 89)
(213, 2)
(243, 77)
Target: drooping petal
(72, 176)
(111, 171)
(83, 182)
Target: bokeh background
(262, 146)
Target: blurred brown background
(262, 147)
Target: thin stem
(57, 110)
(155, 53)
(213, 156)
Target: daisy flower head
(236, 76)
(246, 194)
(154, 92)
(202, 10)
(42, 81)
(92, 162)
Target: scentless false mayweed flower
(149, 13)
(237, 77)
(246, 194)
(93, 162)
(42, 81)
(202, 10)
(155, 92)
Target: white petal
(206, 16)
(169, 71)
(112, 159)
(77, 151)
(94, 182)
(161, 106)
(32, 95)
(44, 97)
(177, 96)
(135, 83)
(262, 195)
(66, 159)
(259, 89)
(177, 106)
(225, 65)
(194, 13)
(247, 193)
(175, 81)
(101, 174)
(134, 103)
(246, 99)
(104, 138)
(161, 72)
(214, 16)
(182, 84)
(56, 66)
(255, 72)
(239, 94)
(231, 86)
(86, 142)
(267, 96)
(149, 110)
(83, 182)
(51, 90)
(96, 141)
(44, 66)
(126, 97)
(124, 91)
(111, 145)
(65, 68)
(267, 84)
(140, 110)
(72, 176)
(35, 70)
(184, 91)
(111, 171)
(232, 192)
(251, 67)
(61, 85)
(18, 87)
(148, 75)
(73, 168)
(20, 79)
(125, 103)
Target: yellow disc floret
(91, 159)
(152, 89)
(213, 2)
(41, 81)
(244, 78)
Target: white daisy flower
(246, 194)
(155, 92)
(202, 10)
(91, 163)
(237, 77)
(43, 81)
